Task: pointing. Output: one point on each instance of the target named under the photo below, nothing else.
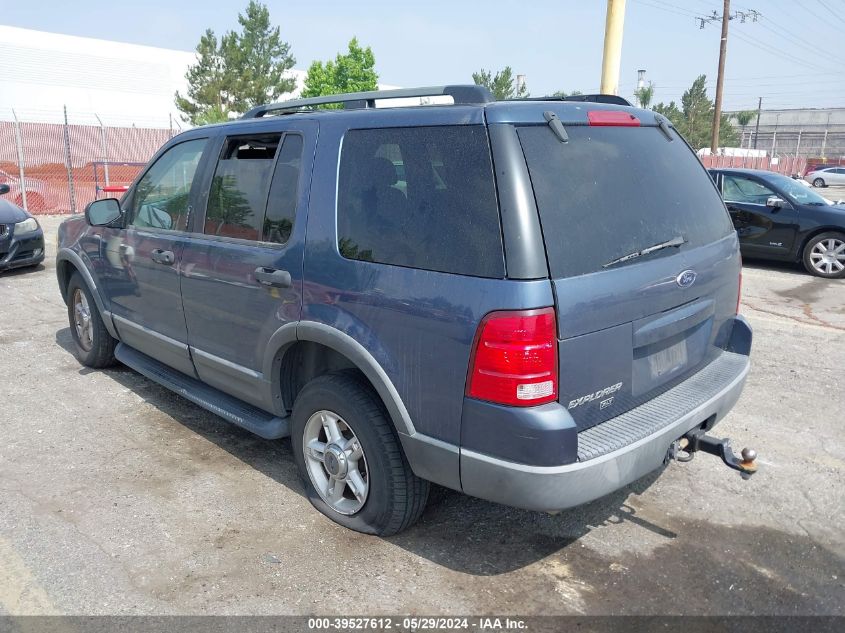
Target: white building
(123, 84)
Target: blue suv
(510, 299)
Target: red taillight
(612, 118)
(514, 358)
(739, 290)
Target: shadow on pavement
(458, 532)
(26, 270)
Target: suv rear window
(612, 191)
(421, 197)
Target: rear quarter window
(611, 191)
(421, 197)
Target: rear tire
(344, 442)
(818, 182)
(94, 346)
(824, 255)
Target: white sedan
(827, 176)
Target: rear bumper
(615, 453)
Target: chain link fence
(61, 165)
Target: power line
(831, 11)
(777, 52)
(677, 10)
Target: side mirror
(4, 189)
(103, 212)
(774, 202)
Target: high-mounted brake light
(612, 118)
(514, 358)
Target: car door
(242, 266)
(762, 230)
(140, 271)
(836, 177)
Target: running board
(227, 407)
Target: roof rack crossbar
(461, 94)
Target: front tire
(818, 182)
(824, 255)
(350, 459)
(94, 346)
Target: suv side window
(161, 197)
(238, 195)
(281, 205)
(746, 191)
(422, 197)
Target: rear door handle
(273, 277)
(163, 257)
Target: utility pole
(757, 125)
(723, 48)
(613, 26)
(720, 78)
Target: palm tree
(644, 95)
(744, 118)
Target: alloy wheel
(335, 461)
(828, 256)
(82, 320)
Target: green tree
(502, 84)
(670, 111)
(238, 71)
(694, 119)
(352, 72)
(644, 95)
(744, 118)
(562, 93)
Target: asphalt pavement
(118, 497)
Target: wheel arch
(343, 351)
(69, 262)
(799, 254)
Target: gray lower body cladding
(615, 453)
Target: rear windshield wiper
(557, 126)
(675, 241)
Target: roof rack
(461, 94)
(593, 98)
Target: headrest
(382, 172)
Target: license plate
(668, 360)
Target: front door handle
(273, 277)
(163, 257)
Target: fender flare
(344, 344)
(73, 259)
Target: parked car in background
(412, 294)
(778, 218)
(36, 196)
(21, 237)
(827, 176)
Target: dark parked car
(21, 237)
(505, 298)
(779, 218)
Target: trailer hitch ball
(748, 463)
(697, 440)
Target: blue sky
(792, 57)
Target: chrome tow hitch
(684, 450)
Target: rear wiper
(675, 241)
(556, 125)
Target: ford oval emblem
(686, 279)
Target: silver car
(827, 176)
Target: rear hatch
(641, 251)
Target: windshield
(610, 192)
(795, 191)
